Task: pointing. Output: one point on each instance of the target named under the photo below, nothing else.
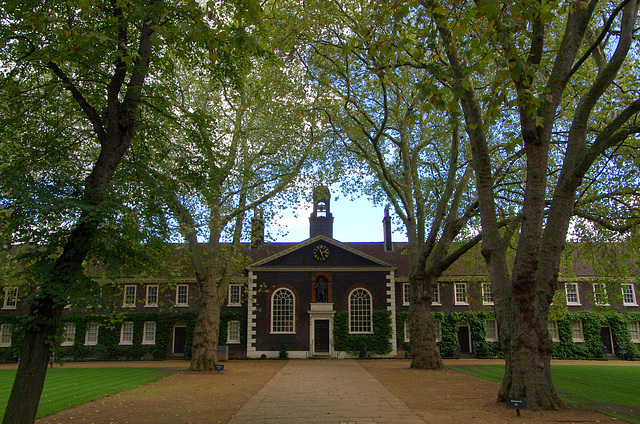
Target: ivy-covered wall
(378, 343)
(227, 316)
(566, 348)
(591, 348)
(477, 328)
(363, 345)
(449, 324)
(11, 353)
(108, 347)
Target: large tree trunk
(34, 359)
(424, 350)
(207, 328)
(114, 131)
(48, 304)
(527, 350)
(523, 299)
(45, 312)
(27, 388)
(46, 309)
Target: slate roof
(470, 266)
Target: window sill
(233, 343)
(66, 344)
(574, 304)
(126, 344)
(181, 306)
(236, 305)
(148, 343)
(461, 304)
(151, 306)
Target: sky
(353, 220)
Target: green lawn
(611, 390)
(67, 387)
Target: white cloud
(295, 223)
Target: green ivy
(477, 328)
(449, 343)
(401, 322)
(449, 324)
(591, 348)
(621, 336)
(227, 316)
(108, 347)
(11, 353)
(378, 343)
(363, 344)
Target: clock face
(321, 252)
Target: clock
(321, 252)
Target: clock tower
(321, 220)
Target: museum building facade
(325, 298)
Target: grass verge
(67, 387)
(614, 391)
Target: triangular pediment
(305, 256)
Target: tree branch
(92, 114)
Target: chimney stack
(257, 231)
(386, 227)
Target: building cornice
(258, 265)
(321, 269)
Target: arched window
(282, 311)
(322, 209)
(360, 312)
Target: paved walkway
(324, 391)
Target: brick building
(324, 298)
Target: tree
(231, 149)
(88, 63)
(411, 148)
(567, 122)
